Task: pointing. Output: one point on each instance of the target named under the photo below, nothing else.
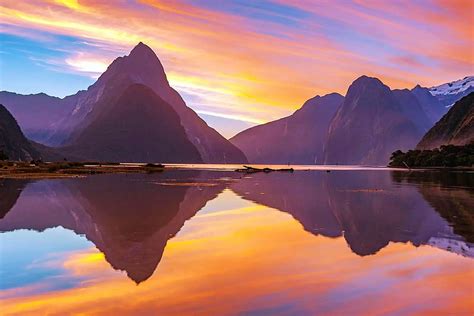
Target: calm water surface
(187, 242)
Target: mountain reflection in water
(372, 208)
(131, 217)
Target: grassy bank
(41, 170)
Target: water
(181, 242)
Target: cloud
(93, 66)
(244, 60)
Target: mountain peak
(365, 84)
(364, 80)
(142, 50)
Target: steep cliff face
(369, 125)
(413, 109)
(296, 139)
(138, 127)
(455, 128)
(13, 144)
(433, 108)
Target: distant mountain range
(454, 128)
(365, 127)
(37, 114)
(131, 113)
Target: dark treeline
(445, 156)
(3, 156)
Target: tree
(445, 156)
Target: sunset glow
(262, 248)
(239, 61)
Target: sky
(238, 63)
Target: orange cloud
(258, 70)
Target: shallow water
(348, 242)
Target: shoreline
(59, 170)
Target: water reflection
(451, 194)
(219, 243)
(372, 208)
(130, 218)
(9, 192)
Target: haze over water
(213, 242)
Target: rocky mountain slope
(455, 128)
(296, 139)
(369, 126)
(138, 127)
(13, 143)
(433, 108)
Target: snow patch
(457, 246)
(453, 87)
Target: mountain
(433, 108)
(37, 114)
(138, 127)
(296, 139)
(369, 125)
(413, 109)
(142, 66)
(455, 128)
(449, 93)
(13, 143)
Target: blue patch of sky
(265, 11)
(25, 255)
(226, 127)
(30, 66)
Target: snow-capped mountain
(449, 93)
